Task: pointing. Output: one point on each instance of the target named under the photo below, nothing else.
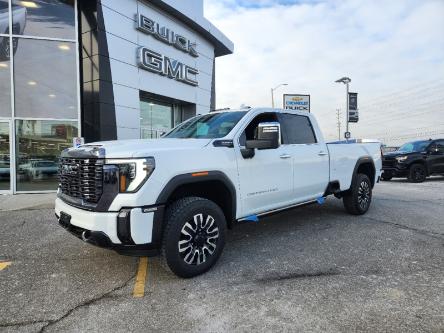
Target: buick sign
(166, 35)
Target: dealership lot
(309, 269)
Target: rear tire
(194, 236)
(358, 198)
(417, 173)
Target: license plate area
(65, 220)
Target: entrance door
(155, 119)
(5, 157)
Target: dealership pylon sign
(297, 102)
(353, 113)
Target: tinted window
(39, 144)
(440, 146)
(45, 79)
(48, 18)
(297, 129)
(416, 146)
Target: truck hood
(146, 147)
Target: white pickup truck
(178, 195)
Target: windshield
(208, 126)
(416, 146)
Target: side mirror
(268, 137)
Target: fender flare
(192, 178)
(365, 160)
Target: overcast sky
(392, 50)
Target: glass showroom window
(39, 143)
(48, 18)
(5, 64)
(45, 79)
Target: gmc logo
(69, 170)
(162, 65)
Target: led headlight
(401, 158)
(133, 172)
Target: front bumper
(133, 231)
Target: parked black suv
(415, 160)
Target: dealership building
(97, 69)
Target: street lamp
(272, 92)
(346, 81)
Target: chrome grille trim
(82, 178)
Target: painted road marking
(4, 264)
(139, 286)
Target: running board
(255, 218)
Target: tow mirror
(268, 136)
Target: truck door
(436, 157)
(310, 157)
(265, 179)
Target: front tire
(194, 236)
(417, 173)
(358, 198)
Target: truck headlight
(133, 173)
(401, 158)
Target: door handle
(284, 156)
(322, 153)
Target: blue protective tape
(320, 200)
(252, 218)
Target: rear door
(436, 157)
(309, 156)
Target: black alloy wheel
(198, 239)
(194, 236)
(358, 198)
(417, 173)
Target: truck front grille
(82, 178)
(388, 163)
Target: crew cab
(177, 195)
(415, 160)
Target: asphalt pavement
(311, 269)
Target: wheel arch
(365, 165)
(419, 161)
(211, 185)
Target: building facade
(98, 69)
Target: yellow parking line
(4, 264)
(139, 286)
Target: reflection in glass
(39, 144)
(45, 79)
(44, 18)
(5, 156)
(4, 18)
(5, 78)
(155, 118)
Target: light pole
(272, 92)
(346, 81)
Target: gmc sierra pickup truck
(177, 195)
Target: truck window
(440, 146)
(208, 126)
(250, 132)
(297, 129)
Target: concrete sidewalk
(26, 201)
